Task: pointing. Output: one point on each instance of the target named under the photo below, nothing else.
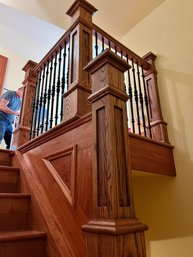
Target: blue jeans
(6, 131)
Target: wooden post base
(72, 103)
(115, 238)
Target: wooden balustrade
(113, 230)
(69, 90)
(144, 109)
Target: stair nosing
(15, 195)
(21, 235)
(10, 168)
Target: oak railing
(71, 81)
(58, 87)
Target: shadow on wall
(165, 204)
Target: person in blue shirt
(10, 103)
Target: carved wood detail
(75, 100)
(62, 166)
(113, 222)
(22, 134)
(159, 126)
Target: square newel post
(75, 99)
(113, 230)
(21, 134)
(158, 125)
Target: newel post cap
(107, 75)
(28, 68)
(80, 3)
(107, 57)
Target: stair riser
(13, 213)
(8, 181)
(23, 248)
(5, 158)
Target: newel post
(75, 99)
(21, 135)
(113, 231)
(158, 125)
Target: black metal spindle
(141, 101)
(109, 44)
(96, 43)
(39, 124)
(44, 110)
(103, 43)
(33, 128)
(49, 93)
(63, 81)
(58, 86)
(53, 92)
(130, 97)
(146, 103)
(115, 49)
(37, 103)
(68, 68)
(121, 53)
(136, 97)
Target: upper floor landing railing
(57, 89)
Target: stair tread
(10, 168)
(14, 195)
(21, 235)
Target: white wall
(23, 38)
(164, 203)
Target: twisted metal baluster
(146, 103)
(53, 92)
(58, 86)
(141, 100)
(49, 93)
(33, 125)
(45, 98)
(39, 109)
(136, 97)
(130, 97)
(63, 81)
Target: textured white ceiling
(116, 17)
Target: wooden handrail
(54, 49)
(126, 51)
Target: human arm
(3, 107)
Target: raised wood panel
(122, 174)
(62, 166)
(63, 220)
(151, 156)
(74, 64)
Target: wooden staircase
(17, 239)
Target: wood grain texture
(75, 100)
(159, 126)
(63, 221)
(50, 209)
(115, 230)
(151, 156)
(22, 134)
(63, 165)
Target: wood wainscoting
(63, 191)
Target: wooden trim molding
(3, 66)
(62, 165)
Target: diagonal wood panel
(62, 166)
